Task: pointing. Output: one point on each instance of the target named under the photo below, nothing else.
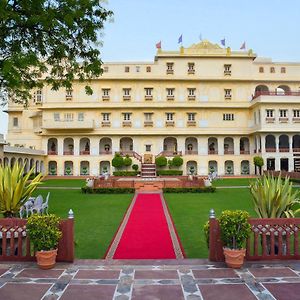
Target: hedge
(87, 190)
(169, 172)
(208, 189)
(125, 173)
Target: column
(291, 145)
(277, 163)
(115, 144)
(203, 145)
(60, 146)
(220, 145)
(237, 167)
(277, 143)
(263, 144)
(94, 146)
(76, 146)
(236, 145)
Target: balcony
(170, 153)
(68, 125)
(284, 150)
(270, 149)
(170, 71)
(227, 97)
(69, 152)
(50, 152)
(283, 120)
(227, 72)
(191, 152)
(148, 97)
(105, 98)
(212, 152)
(270, 119)
(170, 123)
(105, 123)
(105, 152)
(126, 124)
(191, 123)
(279, 93)
(228, 151)
(148, 123)
(170, 97)
(191, 97)
(296, 119)
(84, 152)
(191, 71)
(296, 149)
(244, 152)
(126, 98)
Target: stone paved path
(150, 280)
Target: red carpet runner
(146, 234)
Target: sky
(269, 27)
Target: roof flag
(223, 42)
(158, 45)
(243, 47)
(180, 39)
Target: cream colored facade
(216, 107)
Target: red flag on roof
(158, 45)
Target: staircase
(148, 170)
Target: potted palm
(235, 231)
(44, 233)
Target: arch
(245, 145)
(68, 146)
(84, 167)
(228, 145)
(191, 167)
(20, 161)
(68, 168)
(52, 146)
(245, 167)
(105, 146)
(170, 145)
(26, 165)
(126, 145)
(229, 167)
(270, 143)
(212, 145)
(283, 90)
(37, 166)
(84, 146)
(191, 145)
(31, 164)
(296, 143)
(284, 145)
(52, 168)
(0, 161)
(12, 161)
(213, 166)
(6, 161)
(105, 167)
(261, 90)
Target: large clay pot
(46, 259)
(234, 258)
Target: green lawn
(97, 218)
(64, 182)
(233, 182)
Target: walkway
(147, 231)
(148, 280)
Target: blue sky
(270, 27)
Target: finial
(212, 214)
(228, 51)
(71, 214)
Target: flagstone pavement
(186, 279)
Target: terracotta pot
(234, 258)
(46, 259)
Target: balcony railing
(212, 151)
(105, 123)
(270, 149)
(274, 93)
(170, 123)
(103, 152)
(284, 150)
(169, 153)
(191, 97)
(87, 124)
(191, 71)
(283, 119)
(148, 123)
(270, 119)
(244, 152)
(191, 123)
(148, 97)
(191, 152)
(296, 120)
(105, 97)
(126, 123)
(69, 152)
(84, 152)
(228, 151)
(170, 97)
(296, 149)
(50, 152)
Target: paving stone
(215, 273)
(2, 271)
(272, 272)
(127, 271)
(121, 297)
(193, 297)
(284, 291)
(156, 274)
(123, 288)
(190, 288)
(97, 274)
(38, 273)
(23, 291)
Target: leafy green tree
(161, 161)
(118, 161)
(48, 42)
(258, 162)
(127, 161)
(177, 161)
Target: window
(69, 94)
(282, 70)
(228, 117)
(137, 69)
(105, 92)
(148, 69)
(270, 113)
(80, 117)
(68, 117)
(126, 116)
(227, 93)
(282, 113)
(126, 92)
(105, 70)
(105, 116)
(296, 113)
(261, 70)
(170, 68)
(148, 148)
(127, 69)
(169, 116)
(56, 117)
(227, 69)
(15, 122)
(170, 92)
(191, 92)
(191, 116)
(191, 68)
(38, 96)
(148, 91)
(272, 70)
(148, 116)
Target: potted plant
(44, 233)
(68, 170)
(235, 231)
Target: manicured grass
(64, 182)
(233, 182)
(191, 211)
(97, 218)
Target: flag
(180, 39)
(158, 45)
(243, 47)
(223, 42)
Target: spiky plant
(15, 188)
(273, 197)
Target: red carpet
(146, 235)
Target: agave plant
(15, 188)
(274, 197)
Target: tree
(177, 161)
(48, 42)
(161, 161)
(118, 161)
(258, 162)
(127, 161)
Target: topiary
(161, 161)
(177, 161)
(258, 162)
(135, 167)
(118, 161)
(127, 161)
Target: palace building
(215, 107)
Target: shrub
(169, 172)
(177, 161)
(208, 189)
(125, 173)
(258, 162)
(87, 190)
(118, 161)
(206, 233)
(127, 161)
(135, 167)
(161, 161)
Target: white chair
(45, 204)
(26, 207)
(37, 205)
